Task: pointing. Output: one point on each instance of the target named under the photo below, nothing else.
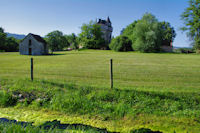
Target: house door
(30, 51)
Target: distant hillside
(17, 36)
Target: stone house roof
(36, 37)
(39, 38)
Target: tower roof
(101, 21)
(108, 20)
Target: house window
(29, 43)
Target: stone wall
(167, 48)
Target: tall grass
(108, 103)
(6, 99)
(16, 128)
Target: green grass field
(174, 72)
(155, 91)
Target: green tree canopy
(72, 40)
(91, 36)
(8, 44)
(168, 33)
(191, 18)
(11, 45)
(56, 40)
(148, 34)
(121, 43)
(2, 39)
(128, 31)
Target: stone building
(33, 45)
(168, 47)
(106, 27)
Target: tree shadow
(57, 125)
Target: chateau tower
(106, 28)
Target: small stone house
(33, 45)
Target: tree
(147, 35)
(191, 18)
(8, 44)
(2, 39)
(168, 33)
(121, 43)
(128, 31)
(72, 40)
(11, 45)
(91, 36)
(56, 40)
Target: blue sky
(43, 16)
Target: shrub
(6, 99)
(121, 43)
(184, 50)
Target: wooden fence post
(32, 69)
(111, 73)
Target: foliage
(121, 43)
(91, 36)
(129, 30)
(8, 44)
(2, 39)
(191, 17)
(184, 50)
(12, 44)
(6, 99)
(168, 33)
(72, 40)
(148, 34)
(56, 40)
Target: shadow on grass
(60, 85)
(54, 54)
(160, 95)
(57, 125)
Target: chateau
(106, 27)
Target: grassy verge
(116, 109)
